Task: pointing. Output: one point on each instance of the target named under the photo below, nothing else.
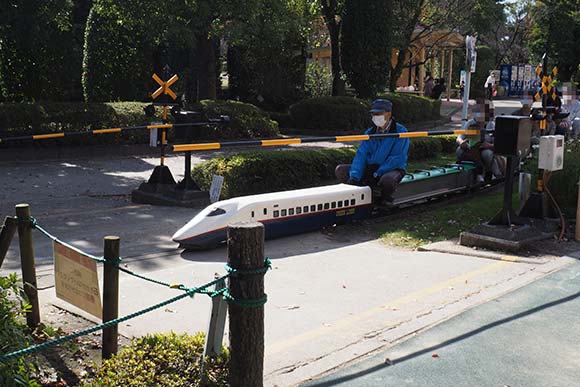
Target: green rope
(245, 303)
(153, 280)
(248, 272)
(34, 224)
(188, 292)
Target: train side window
(312, 208)
(362, 197)
(326, 206)
(284, 212)
(333, 205)
(305, 209)
(319, 207)
(291, 211)
(265, 211)
(298, 210)
(352, 202)
(339, 203)
(276, 214)
(252, 214)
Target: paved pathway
(529, 337)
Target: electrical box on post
(512, 136)
(551, 156)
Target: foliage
(367, 41)
(37, 118)
(249, 173)
(485, 63)
(127, 40)
(41, 49)
(266, 67)
(564, 184)
(336, 114)
(161, 360)
(555, 31)
(13, 333)
(351, 115)
(246, 121)
(332, 12)
(318, 80)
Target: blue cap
(381, 105)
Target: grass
(425, 226)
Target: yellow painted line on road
(341, 325)
(510, 258)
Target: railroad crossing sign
(164, 86)
(547, 80)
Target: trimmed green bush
(351, 115)
(332, 114)
(161, 360)
(249, 173)
(14, 334)
(25, 119)
(246, 121)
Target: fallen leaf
(434, 355)
(388, 361)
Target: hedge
(351, 115)
(22, 119)
(161, 360)
(246, 121)
(249, 173)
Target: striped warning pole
(291, 141)
(97, 131)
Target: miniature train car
(303, 210)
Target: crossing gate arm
(295, 140)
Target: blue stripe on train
(276, 228)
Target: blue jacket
(388, 153)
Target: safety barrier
(291, 141)
(245, 295)
(98, 131)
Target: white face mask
(379, 121)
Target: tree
(366, 45)
(127, 40)
(555, 31)
(39, 49)
(333, 12)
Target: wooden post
(110, 295)
(246, 252)
(7, 232)
(422, 71)
(27, 263)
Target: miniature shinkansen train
(303, 210)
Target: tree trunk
(206, 76)
(338, 87)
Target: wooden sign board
(76, 279)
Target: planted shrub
(332, 114)
(351, 115)
(14, 334)
(161, 360)
(246, 121)
(249, 173)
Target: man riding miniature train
(379, 162)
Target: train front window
(216, 212)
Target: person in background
(379, 162)
(490, 86)
(438, 89)
(429, 83)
